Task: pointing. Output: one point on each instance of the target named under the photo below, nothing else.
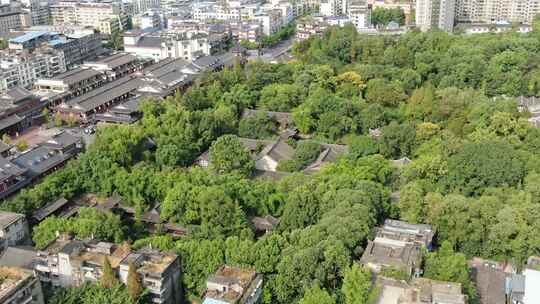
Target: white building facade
(494, 11)
(188, 45)
(24, 70)
(360, 15)
(435, 14)
(13, 228)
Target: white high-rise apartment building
(493, 11)
(333, 7)
(359, 14)
(105, 17)
(435, 14)
(142, 6)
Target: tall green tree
(316, 295)
(357, 283)
(228, 154)
(134, 286)
(108, 278)
(447, 265)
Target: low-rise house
(49, 209)
(84, 106)
(398, 245)
(18, 107)
(115, 66)
(271, 155)
(267, 154)
(77, 81)
(383, 254)
(265, 224)
(150, 218)
(159, 273)
(254, 146)
(161, 79)
(426, 291)
(419, 234)
(233, 285)
(330, 153)
(420, 291)
(18, 286)
(64, 143)
(12, 177)
(68, 262)
(13, 229)
(284, 119)
(124, 113)
(490, 280)
(49, 156)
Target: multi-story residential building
(270, 20)
(68, 262)
(493, 11)
(398, 245)
(187, 45)
(359, 14)
(19, 286)
(248, 31)
(213, 11)
(333, 7)
(105, 17)
(11, 18)
(159, 273)
(25, 69)
(13, 228)
(286, 8)
(39, 12)
(233, 285)
(63, 12)
(142, 6)
(470, 10)
(77, 45)
(435, 14)
(309, 26)
(150, 20)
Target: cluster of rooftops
(19, 170)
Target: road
(272, 54)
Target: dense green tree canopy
(444, 101)
(228, 154)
